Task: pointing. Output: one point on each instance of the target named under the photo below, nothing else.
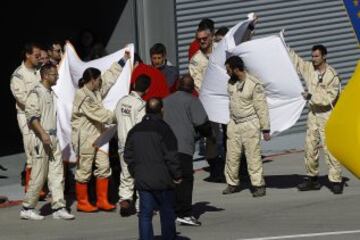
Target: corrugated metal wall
(307, 22)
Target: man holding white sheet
(323, 90)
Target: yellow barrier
(343, 127)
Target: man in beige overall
(24, 78)
(47, 164)
(323, 89)
(129, 111)
(197, 67)
(249, 117)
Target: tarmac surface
(284, 213)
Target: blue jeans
(164, 201)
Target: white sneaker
(30, 214)
(190, 221)
(62, 213)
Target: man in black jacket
(150, 152)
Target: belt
(245, 119)
(320, 109)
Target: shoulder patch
(259, 89)
(332, 70)
(17, 75)
(194, 62)
(89, 99)
(35, 89)
(255, 80)
(142, 106)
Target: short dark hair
(29, 48)
(154, 105)
(186, 83)
(46, 68)
(142, 83)
(44, 47)
(158, 48)
(206, 24)
(235, 62)
(54, 42)
(321, 48)
(222, 31)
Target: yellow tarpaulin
(343, 127)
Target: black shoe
(211, 177)
(259, 191)
(216, 170)
(337, 187)
(215, 179)
(310, 183)
(127, 208)
(231, 189)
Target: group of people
(158, 123)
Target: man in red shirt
(159, 61)
(158, 87)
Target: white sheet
(268, 59)
(70, 71)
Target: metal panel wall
(306, 22)
(155, 23)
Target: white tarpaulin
(268, 59)
(70, 71)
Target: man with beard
(195, 45)
(323, 90)
(249, 117)
(199, 62)
(55, 52)
(197, 68)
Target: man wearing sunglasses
(200, 60)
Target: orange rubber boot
(83, 203)
(102, 195)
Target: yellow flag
(343, 127)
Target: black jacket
(150, 152)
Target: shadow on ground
(200, 208)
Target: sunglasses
(202, 39)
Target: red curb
(11, 203)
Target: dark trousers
(184, 190)
(164, 201)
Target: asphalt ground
(284, 213)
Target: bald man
(185, 113)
